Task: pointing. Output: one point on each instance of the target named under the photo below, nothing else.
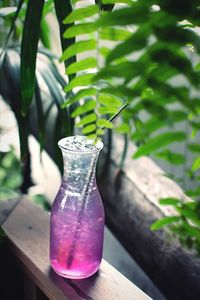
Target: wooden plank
(6, 208)
(27, 229)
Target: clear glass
(77, 214)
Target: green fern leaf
(83, 80)
(81, 13)
(84, 64)
(78, 47)
(194, 147)
(99, 132)
(164, 221)
(172, 157)
(86, 107)
(196, 164)
(103, 123)
(90, 118)
(135, 42)
(108, 100)
(114, 34)
(169, 201)
(123, 128)
(104, 51)
(88, 129)
(104, 110)
(160, 141)
(79, 29)
(80, 95)
(136, 14)
(117, 1)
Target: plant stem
(112, 118)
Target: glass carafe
(77, 214)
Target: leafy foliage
(186, 225)
(26, 82)
(10, 175)
(142, 56)
(11, 178)
(98, 106)
(29, 51)
(148, 65)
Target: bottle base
(70, 274)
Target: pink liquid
(76, 232)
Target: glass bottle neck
(79, 170)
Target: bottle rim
(68, 144)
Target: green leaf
(64, 8)
(197, 67)
(177, 116)
(78, 47)
(6, 11)
(189, 213)
(191, 230)
(136, 14)
(196, 125)
(79, 29)
(57, 135)
(163, 54)
(163, 222)
(10, 69)
(196, 164)
(48, 7)
(136, 42)
(148, 127)
(193, 193)
(86, 107)
(12, 26)
(81, 14)
(84, 64)
(99, 132)
(172, 157)
(103, 123)
(160, 141)
(40, 116)
(104, 110)
(89, 129)
(23, 124)
(83, 80)
(123, 128)
(57, 96)
(30, 38)
(80, 95)
(104, 51)
(104, 7)
(117, 1)
(90, 118)
(169, 201)
(194, 147)
(45, 34)
(126, 70)
(113, 34)
(177, 35)
(119, 91)
(109, 100)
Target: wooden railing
(26, 248)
